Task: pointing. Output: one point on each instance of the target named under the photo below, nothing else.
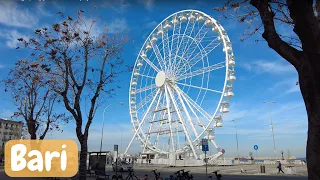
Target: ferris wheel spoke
(178, 45)
(194, 104)
(202, 53)
(146, 100)
(189, 46)
(158, 55)
(202, 88)
(151, 64)
(146, 88)
(174, 40)
(187, 113)
(166, 48)
(182, 122)
(142, 75)
(196, 42)
(201, 71)
(193, 112)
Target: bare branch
(270, 35)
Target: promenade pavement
(228, 172)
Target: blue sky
(262, 75)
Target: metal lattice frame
(163, 104)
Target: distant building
(9, 130)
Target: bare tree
(28, 84)
(300, 46)
(84, 65)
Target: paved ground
(229, 173)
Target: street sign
(255, 147)
(115, 148)
(205, 146)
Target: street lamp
(272, 128)
(235, 124)
(103, 125)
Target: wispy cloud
(288, 85)
(118, 6)
(150, 24)
(11, 37)
(268, 66)
(13, 15)
(117, 25)
(6, 113)
(148, 4)
(42, 10)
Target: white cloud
(11, 38)
(12, 15)
(41, 9)
(151, 24)
(148, 4)
(6, 113)
(294, 88)
(117, 25)
(265, 66)
(287, 86)
(237, 114)
(118, 6)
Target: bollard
(262, 169)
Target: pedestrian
(280, 167)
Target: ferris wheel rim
(225, 78)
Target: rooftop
(10, 121)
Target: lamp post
(103, 125)
(282, 154)
(272, 128)
(235, 124)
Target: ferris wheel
(181, 84)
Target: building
(9, 130)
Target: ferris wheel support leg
(188, 115)
(125, 152)
(151, 124)
(169, 116)
(183, 124)
(143, 119)
(215, 144)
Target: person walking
(280, 167)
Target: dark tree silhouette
(28, 84)
(84, 64)
(300, 46)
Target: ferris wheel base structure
(180, 89)
(175, 160)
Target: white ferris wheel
(181, 84)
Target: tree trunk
(83, 158)
(309, 80)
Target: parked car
(122, 166)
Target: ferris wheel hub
(160, 79)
